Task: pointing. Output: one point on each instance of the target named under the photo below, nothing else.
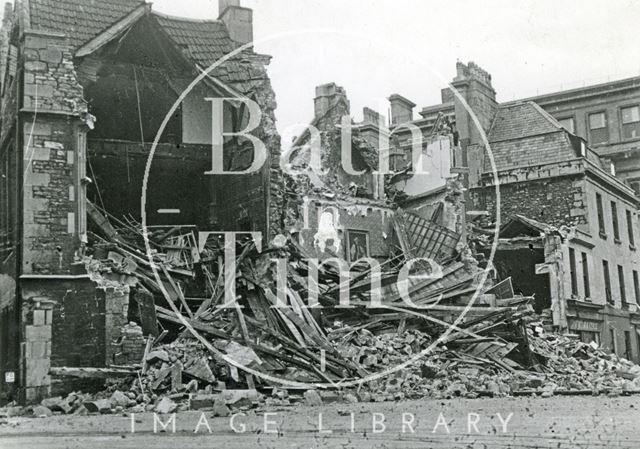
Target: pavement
(557, 422)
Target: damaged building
(86, 87)
(100, 117)
(360, 211)
(570, 225)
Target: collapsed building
(85, 89)
(85, 94)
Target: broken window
(588, 337)
(630, 122)
(607, 282)
(574, 275)
(598, 131)
(601, 226)
(632, 240)
(614, 221)
(623, 293)
(585, 275)
(636, 286)
(568, 123)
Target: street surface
(559, 422)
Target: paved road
(561, 422)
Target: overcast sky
(410, 47)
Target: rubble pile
(456, 337)
(573, 366)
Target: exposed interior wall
(176, 180)
(520, 265)
(374, 220)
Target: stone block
(53, 145)
(35, 66)
(37, 154)
(38, 128)
(51, 55)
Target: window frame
(573, 123)
(602, 228)
(630, 231)
(607, 282)
(585, 275)
(573, 272)
(622, 287)
(636, 285)
(622, 124)
(612, 334)
(615, 222)
(605, 127)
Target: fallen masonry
(456, 337)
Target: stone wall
(53, 109)
(50, 82)
(50, 218)
(555, 201)
(81, 322)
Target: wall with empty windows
(601, 243)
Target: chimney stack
(239, 20)
(327, 95)
(474, 85)
(401, 109)
(372, 117)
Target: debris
(157, 355)
(312, 398)
(220, 408)
(202, 401)
(165, 406)
(240, 398)
(118, 398)
(40, 411)
(98, 406)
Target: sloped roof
(519, 120)
(524, 135)
(80, 20)
(203, 42)
(519, 225)
(206, 41)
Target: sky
(374, 48)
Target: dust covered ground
(525, 422)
